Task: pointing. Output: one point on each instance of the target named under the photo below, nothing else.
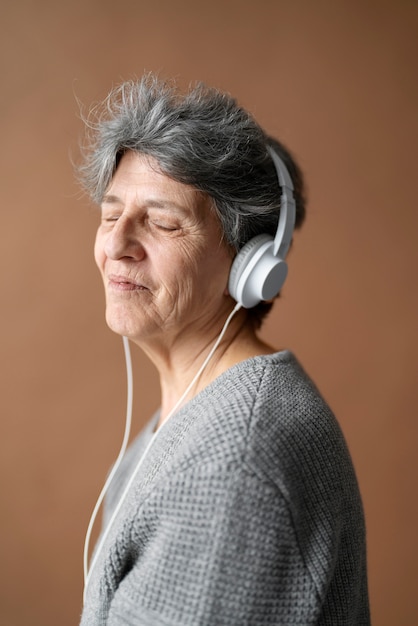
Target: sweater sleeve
(221, 550)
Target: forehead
(139, 179)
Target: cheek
(209, 274)
(179, 275)
(184, 261)
(216, 266)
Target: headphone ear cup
(256, 273)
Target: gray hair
(202, 138)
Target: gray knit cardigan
(245, 512)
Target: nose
(123, 241)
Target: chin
(121, 324)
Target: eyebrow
(109, 199)
(152, 203)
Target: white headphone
(259, 270)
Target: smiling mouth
(118, 283)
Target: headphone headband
(283, 237)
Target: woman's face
(160, 252)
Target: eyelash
(114, 218)
(163, 227)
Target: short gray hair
(202, 138)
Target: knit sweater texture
(245, 512)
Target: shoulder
(264, 409)
(294, 438)
(265, 415)
(267, 396)
(291, 423)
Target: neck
(179, 360)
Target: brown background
(336, 81)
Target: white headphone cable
(87, 571)
(128, 422)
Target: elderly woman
(238, 503)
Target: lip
(123, 283)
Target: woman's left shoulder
(286, 394)
(292, 428)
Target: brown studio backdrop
(335, 80)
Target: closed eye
(167, 227)
(110, 216)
